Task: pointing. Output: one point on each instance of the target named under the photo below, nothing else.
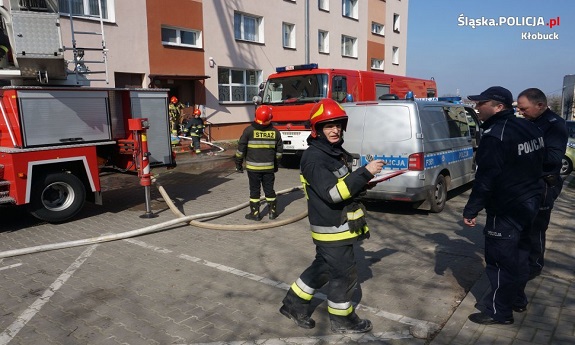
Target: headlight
(571, 144)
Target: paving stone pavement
(189, 285)
(550, 315)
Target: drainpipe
(306, 16)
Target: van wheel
(57, 197)
(438, 195)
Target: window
(323, 41)
(87, 8)
(456, 118)
(395, 56)
(248, 28)
(181, 37)
(348, 46)
(323, 5)
(288, 35)
(349, 8)
(238, 85)
(378, 29)
(377, 64)
(396, 22)
(339, 88)
(381, 89)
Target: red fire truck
(56, 139)
(293, 90)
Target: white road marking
(10, 266)
(10, 332)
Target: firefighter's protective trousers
(259, 180)
(333, 264)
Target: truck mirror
(257, 100)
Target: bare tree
(554, 103)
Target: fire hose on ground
(192, 220)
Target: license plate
(288, 147)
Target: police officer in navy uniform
(532, 103)
(509, 164)
(261, 146)
(337, 222)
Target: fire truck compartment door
(153, 106)
(57, 117)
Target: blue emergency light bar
(296, 67)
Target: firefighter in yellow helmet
(261, 147)
(175, 111)
(337, 221)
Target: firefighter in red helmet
(175, 111)
(261, 147)
(195, 128)
(337, 221)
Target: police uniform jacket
(555, 136)
(261, 147)
(509, 161)
(330, 186)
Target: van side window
(339, 88)
(456, 122)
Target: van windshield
(295, 89)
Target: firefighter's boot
(254, 211)
(273, 209)
(350, 324)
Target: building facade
(214, 54)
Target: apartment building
(215, 53)
(246, 40)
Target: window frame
(381, 64)
(179, 43)
(352, 6)
(354, 46)
(245, 85)
(396, 23)
(395, 55)
(108, 7)
(259, 32)
(291, 39)
(381, 31)
(325, 41)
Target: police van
(432, 143)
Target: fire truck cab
(293, 90)
(57, 133)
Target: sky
(442, 43)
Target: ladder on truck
(80, 69)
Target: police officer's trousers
(257, 180)
(538, 229)
(506, 258)
(335, 265)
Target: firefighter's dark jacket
(330, 186)
(195, 126)
(261, 147)
(555, 136)
(509, 164)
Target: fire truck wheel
(57, 197)
(438, 195)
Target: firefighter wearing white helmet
(337, 221)
(261, 147)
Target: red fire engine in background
(55, 135)
(293, 90)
